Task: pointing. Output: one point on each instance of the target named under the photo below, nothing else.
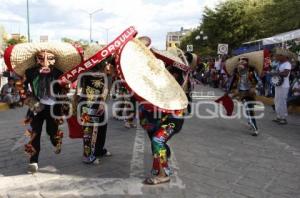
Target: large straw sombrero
(192, 58)
(91, 50)
(149, 79)
(168, 54)
(20, 57)
(171, 57)
(146, 40)
(178, 53)
(285, 52)
(256, 59)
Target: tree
(237, 21)
(67, 40)
(14, 41)
(3, 37)
(234, 22)
(283, 15)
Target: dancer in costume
(94, 91)
(245, 77)
(162, 103)
(160, 128)
(41, 64)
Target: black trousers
(248, 102)
(100, 139)
(37, 126)
(189, 107)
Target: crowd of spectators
(212, 72)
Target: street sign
(189, 48)
(222, 49)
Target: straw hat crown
(20, 57)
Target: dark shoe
(255, 133)
(277, 120)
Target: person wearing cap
(242, 75)
(281, 91)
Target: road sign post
(223, 49)
(189, 48)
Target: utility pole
(28, 22)
(91, 15)
(107, 30)
(91, 20)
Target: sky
(71, 19)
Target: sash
(102, 54)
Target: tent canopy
(280, 38)
(267, 42)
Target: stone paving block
(227, 194)
(249, 191)
(278, 189)
(289, 180)
(208, 162)
(233, 167)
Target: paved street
(211, 158)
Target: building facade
(173, 38)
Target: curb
(3, 106)
(270, 101)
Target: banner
(102, 54)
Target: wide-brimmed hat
(244, 58)
(146, 40)
(20, 57)
(171, 58)
(192, 59)
(178, 53)
(168, 54)
(91, 50)
(255, 59)
(285, 52)
(149, 79)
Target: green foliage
(67, 40)
(3, 36)
(284, 16)
(237, 21)
(83, 43)
(13, 41)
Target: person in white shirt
(281, 91)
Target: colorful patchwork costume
(160, 128)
